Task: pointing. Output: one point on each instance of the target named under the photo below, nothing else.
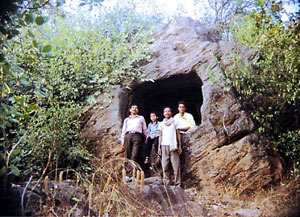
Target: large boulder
(167, 200)
(224, 149)
(65, 199)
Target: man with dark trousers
(133, 129)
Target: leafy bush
(270, 87)
(53, 68)
(81, 60)
(289, 146)
(57, 130)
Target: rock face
(35, 200)
(168, 200)
(66, 199)
(224, 149)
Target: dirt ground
(280, 200)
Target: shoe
(128, 179)
(147, 160)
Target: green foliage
(270, 88)
(54, 67)
(15, 108)
(57, 130)
(289, 146)
(74, 59)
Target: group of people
(165, 135)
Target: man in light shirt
(184, 120)
(169, 147)
(133, 128)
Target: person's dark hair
(133, 105)
(153, 113)
(181, 102)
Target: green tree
(58, 64)
(270, 88)
(13, 16)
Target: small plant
(289, 147)
(142, 181)
(137, 179)
(124, 176)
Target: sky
(167, 7)
(290, 9)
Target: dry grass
(104, 192)
(281, 200)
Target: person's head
(181, 107)
(167, 112)
(153, 116)
(134, 110)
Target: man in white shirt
(170, 147)
(133, 128)
(184, 120)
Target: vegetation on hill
(270, 88)
(52, 65)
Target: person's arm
(159, 142)
(156, 130)
(123, 133)
(179, 141)
(192, 121)
(144, 126)
(148, 130)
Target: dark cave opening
(154, 96)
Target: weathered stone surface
(169, 200)
(248, 213)
(37, 200)
(73, 201)
(225, 148)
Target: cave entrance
(154, 96)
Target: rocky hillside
(224, 149)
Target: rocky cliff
(224, 149)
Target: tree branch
(40, 6)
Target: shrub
(54, 68)
(269, 88)
(57, 130)
(289, 146)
